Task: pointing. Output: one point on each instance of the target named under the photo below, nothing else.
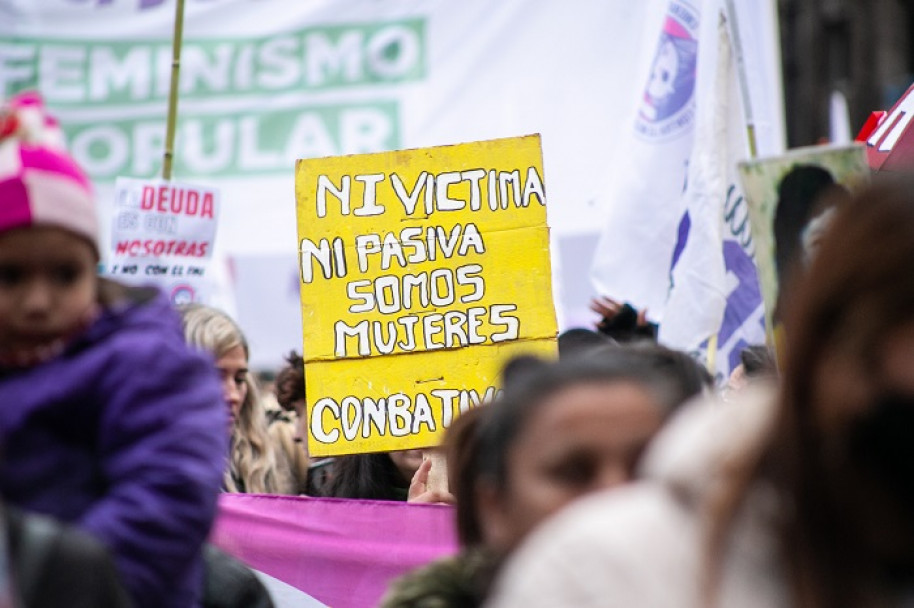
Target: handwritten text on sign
(163, 233)
(441, 254)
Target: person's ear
(494, 518)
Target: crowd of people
(617, 474)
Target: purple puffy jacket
(124, 435)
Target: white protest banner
(163, 233)
(264, 82)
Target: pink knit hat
(40, 184)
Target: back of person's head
(851, 330)
(757, 367)
(598, 413)
(758, 362)
(365, 476)
(860, 289)
(290, 382)
(842, 450)
(803, 194)
(572, 342)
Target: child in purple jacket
(107, 419)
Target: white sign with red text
(163, 233)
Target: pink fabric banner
(343, 553)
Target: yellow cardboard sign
(421, 272)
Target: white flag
(715, 290)
(632, 259)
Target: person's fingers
(421, 474)
(419, 482)
(606, 306)
(596, 306)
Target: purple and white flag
(714, 291)
(677, 238)
(645, 204)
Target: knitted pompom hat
(40, 184)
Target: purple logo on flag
(668, 101)
(744, 316)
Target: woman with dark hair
(799, 499)
(378, 476)
(559, 431)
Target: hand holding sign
(424, 486)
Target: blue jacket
(124, 435)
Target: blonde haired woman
(255, 465)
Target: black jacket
(55, 565)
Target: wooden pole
(173, 90)
(736, 46)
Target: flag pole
(723, 21)
(736, 43)
(736, 47)
(774, 335)
(168, 157)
